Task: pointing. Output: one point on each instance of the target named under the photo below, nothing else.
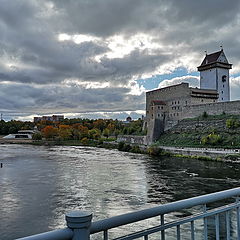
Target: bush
(154, 151)
(84, 141)
(135, 149)
(204, 115)
(37, 136)
(124, 147)
(211, 139)
(232, 123)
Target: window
(222, 92)
(158, 107)
(223, 85)
(178, 102)
(158, 115)
(224, 78)
(222, 98)
(186, 102)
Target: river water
(39, 184)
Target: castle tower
(214, 74)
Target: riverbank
(206, 154)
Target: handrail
(127, 218)
(60, 234)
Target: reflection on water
(40, 184)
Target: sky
(97, 58)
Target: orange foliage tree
(49, 132)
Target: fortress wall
(176, 92)
(232, 107)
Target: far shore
(203, 153)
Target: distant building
(128, 119)
(53, 118)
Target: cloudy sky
(97, 58)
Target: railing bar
(178, 232)
(205, 223)
(182, 221)
(238, 224)
(62, 234)
(105, 235)
(228, 225)
(162, 232)
(192, 231)
(217, 226)
(127, 218)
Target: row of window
(176, 108)
(171, 114)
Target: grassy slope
(189, 132)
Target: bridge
(218, 218)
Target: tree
(64, 132)
(106, 132)
(49, 132)
(94, 133)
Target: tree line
(75, 129)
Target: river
(39, 184)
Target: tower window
(222, 92)
(222, 98)
(224, 78)
(223, 85)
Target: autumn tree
(49, 132)
(64, 132)
(94, 133)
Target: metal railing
(80, 225)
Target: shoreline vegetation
(206, 131)
(152, 150)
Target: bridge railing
(80, 225)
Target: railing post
(79, 222)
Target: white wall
(212, 79)
(208, 79)
(223, 87)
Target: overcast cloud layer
(82, 56)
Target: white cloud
(192, 80)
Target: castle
(165, 107)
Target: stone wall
(132, 139)
(192, 111)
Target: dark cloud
(36, 65)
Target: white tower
(214, 74)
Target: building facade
(53, 118)
(166, 106)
